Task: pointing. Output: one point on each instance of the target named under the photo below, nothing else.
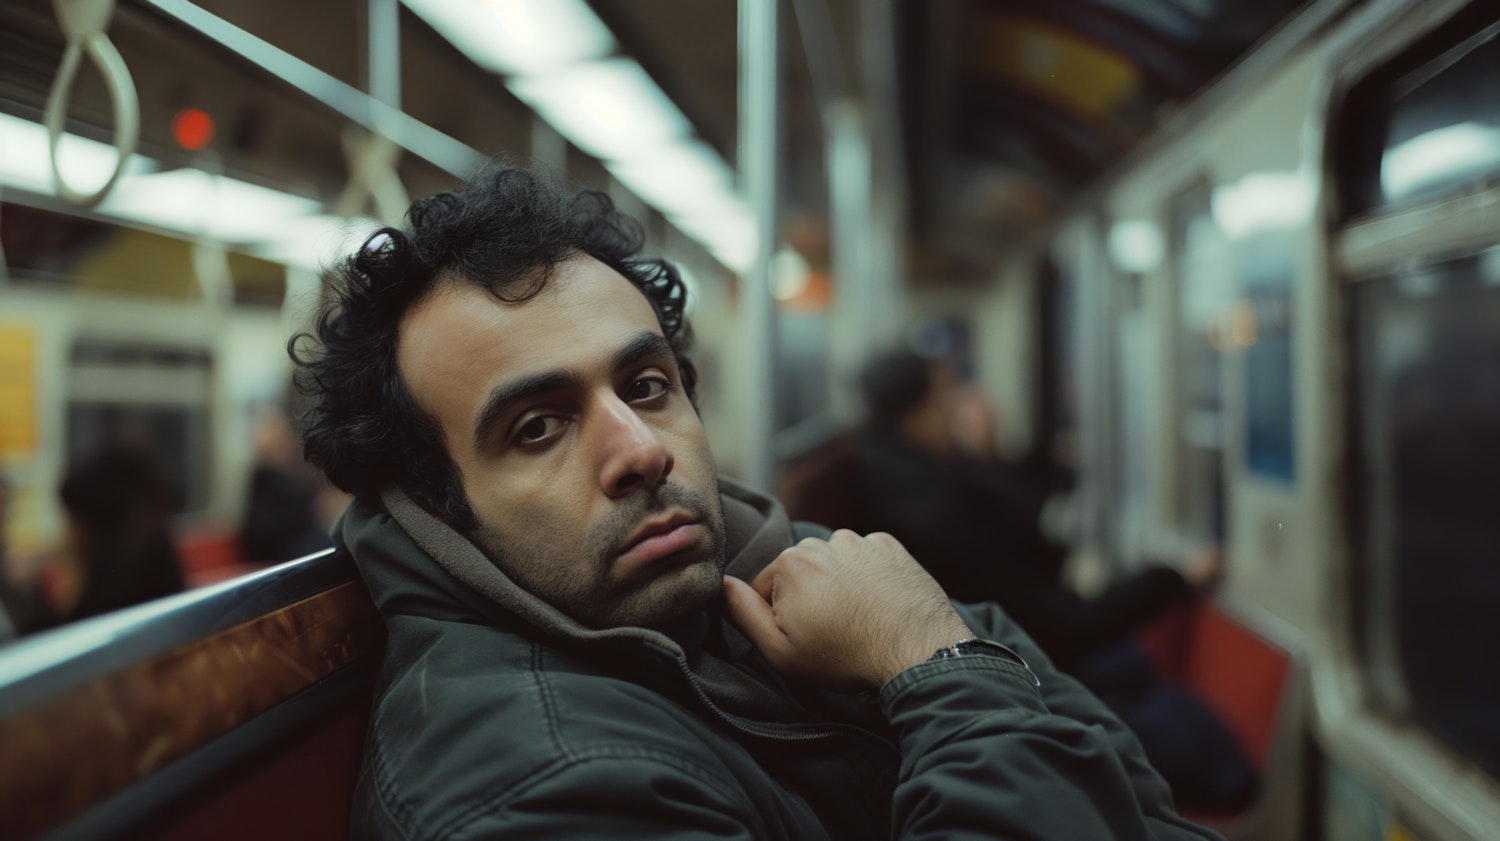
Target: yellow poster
(18, 407)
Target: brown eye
(646, 388)
(538, 428)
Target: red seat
(1251, 683)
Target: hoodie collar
(416, 564)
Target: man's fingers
(763, 582)
(752, 614)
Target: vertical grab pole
(383, 51)
(759, 23)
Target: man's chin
(669, 597)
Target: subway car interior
(1216, 284)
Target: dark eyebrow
(506, 396)
(642, 346)
(503, 398)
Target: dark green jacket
(498, 717)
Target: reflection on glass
(1428, 368)
(1441, 128)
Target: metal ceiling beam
(420, 139)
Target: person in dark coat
(591, 634)
(923, 467)
(119, 505)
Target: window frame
(1438, 788)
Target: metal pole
(886, 258)
(383, 59)
(851, 338)
(757, 157)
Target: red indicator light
(192, 129)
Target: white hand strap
(83, 22)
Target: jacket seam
(385, 795)
(548, 701)
(477, 810)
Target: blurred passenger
(924, 468)
(118, 549)
(504, 387)
(281, 513)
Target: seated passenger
(591, 633)
(281, 510)
(924, 468)
(118, 549)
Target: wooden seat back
(234, 711)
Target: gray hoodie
(498, 716)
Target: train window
(1203, 289)
(1427, 373)
(1431, 132)
(148, 397)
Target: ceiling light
(518, 36)
(217, 207)
(317, 242)
(678, 178)
(610, 109)
(26, 163)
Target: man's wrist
(918, 650)
(975, 647)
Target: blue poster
(1261, 324)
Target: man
(591, 634)
(924, 469)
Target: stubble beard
(588, 593)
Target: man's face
(585, 464)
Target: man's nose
(634, 457)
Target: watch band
(973, 646)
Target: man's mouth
(658, 538)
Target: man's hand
(850, 612)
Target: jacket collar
(415, 564)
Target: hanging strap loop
(84, 23)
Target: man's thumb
(755, 619)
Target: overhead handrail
(83, 23)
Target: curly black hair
(505, 231)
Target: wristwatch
(975, 647)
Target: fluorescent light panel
(26, 163)
(678, 178)
(610, 109)
(216, 207)
(518, 36)
(552, 52)
(188, 202)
